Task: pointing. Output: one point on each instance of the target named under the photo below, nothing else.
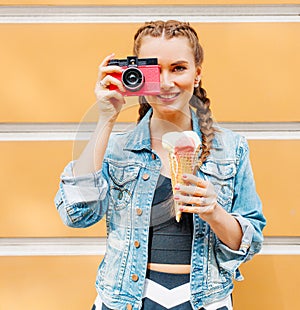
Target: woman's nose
(166, 81)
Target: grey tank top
(170, 242)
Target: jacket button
(129, 307)
(134, 277)
(139, 211)
(146, 176)
(136, 244)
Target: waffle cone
(180, 163)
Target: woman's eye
(179, 68)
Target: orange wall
(50, 283)
(32, 170)
(48, 72)
(272, 282)
(63, 283)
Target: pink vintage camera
(141, 77)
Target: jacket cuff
(78, 189)
(229, 259)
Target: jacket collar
(140, 139)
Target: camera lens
(133, 79)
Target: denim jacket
(123, 190)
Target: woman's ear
(197, 77)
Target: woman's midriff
(170, 268)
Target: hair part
(199, 100)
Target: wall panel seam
(137, 14)
(96, 246)
(83, 131)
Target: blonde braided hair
(199, 100)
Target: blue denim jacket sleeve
(80, 200)
(247, 209)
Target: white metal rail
(96, 246)
(82, 131)
(138, 14)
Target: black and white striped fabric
(169, 291)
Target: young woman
(152, 261)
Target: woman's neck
(160, 125)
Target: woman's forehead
(171, 49)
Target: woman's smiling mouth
(168, 96)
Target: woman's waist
(170, 268)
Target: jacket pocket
(221, 174)
(123, 181)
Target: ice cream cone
(183, 148)
(180, 164)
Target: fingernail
(176, 197)
(177, 187)
(181, 209)
(184, 176)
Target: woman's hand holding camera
(110, 101)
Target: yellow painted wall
(63, 283)
(48, 72)
(272, 282)
(32, 170)
(48, 283)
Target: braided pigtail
(203, 112)
(144, 107)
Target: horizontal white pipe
(96, 246)
(83, 131)
(139, 14)
(69, 136)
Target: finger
(101, 85)
(197, 210)
(190, 178)
(191, 190)
(192, 200)
(114, 95)
(106, 60)
(111, 69)
(111, 102)
(110, 80)
(104, 63)
(104, 94)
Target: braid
(203, 112)
(154, 29)
(199, 100)
(144, 107)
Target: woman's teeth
(168, 96)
